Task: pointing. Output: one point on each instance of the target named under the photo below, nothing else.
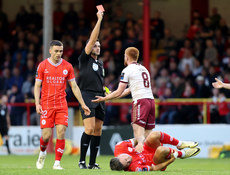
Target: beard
(95, 53)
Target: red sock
(169, 154)
(172, 150)
(167, 139)
(43, 144)
(59, 149)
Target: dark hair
(55, 43)
(115, 164)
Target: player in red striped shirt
(52, 75)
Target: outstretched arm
(77, 94)
(139, 134)
(219, 84)
(125, 93)
(113, 95)
(94, 35)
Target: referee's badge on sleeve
(95, 67)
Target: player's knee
(154, 135)
(89, 130)
(97, 131)
(161, 150)
(61, 132)
(46, 136)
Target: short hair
(55, 43)
(115, 164)
(132, 52)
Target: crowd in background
(185, 67)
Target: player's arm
(219, 84)
(37, 87)
(162, 165)
(94, 35)
(113, 95)
(77, 94)
(125, 93)
(139, 134)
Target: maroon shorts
(143, 113)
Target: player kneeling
(154, 156)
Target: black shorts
(4, 131)
(97, 109)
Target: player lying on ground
(154, 156)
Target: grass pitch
(25, 165)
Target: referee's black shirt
(91, 76)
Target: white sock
(183, 153)
(42, 153)
(179, 143)
(175, 154)
(57, 162)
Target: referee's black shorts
(97, 109)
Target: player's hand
(86, 110)
(98, 99)
(100, 15)
(218, 83)
(39, 109)
(139, 148)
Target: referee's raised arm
(94, 35)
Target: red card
(100, 8)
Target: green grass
(25, 165)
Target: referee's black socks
(94, 147)
(85, 139)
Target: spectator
(211, 52)
(157, 28)
(16, 112)
(58, 14)
(22, 18)
(70, 17)
(196, 16)
(169, 114)
(215, 17)
(223, 27)
(34, 117)
(188, 113)
(16, 79)
(207, 30)
(197, 67)
(201, 90)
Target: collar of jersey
(57, 64)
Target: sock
(57, 162)
(180, 153)
(167, 139)
(7, 146)
(169, 154)
(43, 145)
(94, 147)
(59, 149)
(85, 139)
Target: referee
(91, 80)
(4, 121)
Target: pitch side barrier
(205, 104)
